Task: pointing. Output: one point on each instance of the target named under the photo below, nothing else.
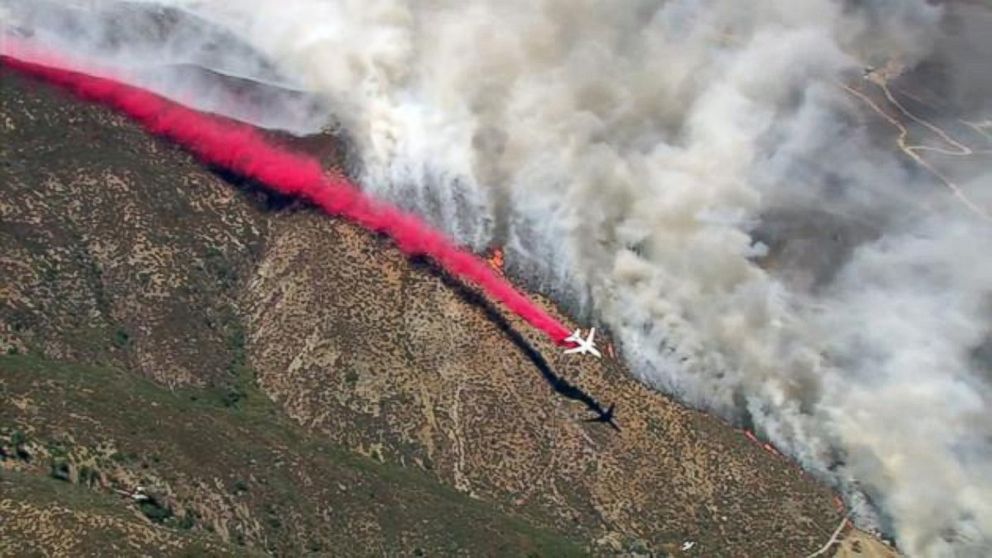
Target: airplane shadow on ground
(268, 201)
(558, 384)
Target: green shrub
(18, 438)
(59, 469)
(154, 511)
(87, 475)
(121, 338)
(232, 396)
(187, 521)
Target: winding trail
(913, 151)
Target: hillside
(281, 382)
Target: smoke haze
(172, 53)
(708, 179)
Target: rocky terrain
(278, 382)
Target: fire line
(245, 151)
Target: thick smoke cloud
(694, 175)
(173, 53)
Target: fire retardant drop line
(243, 150)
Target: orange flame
(764, 445)
(610, 351)
(495, 260)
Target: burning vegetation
(495, 259)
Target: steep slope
(94, 275)
(161, 325)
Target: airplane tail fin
(605, 416)
(609, 418)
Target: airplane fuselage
(583, 346)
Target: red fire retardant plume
(244, 151)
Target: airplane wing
(575, 337)
(578, 349)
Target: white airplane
(687, 545)
(583, 346)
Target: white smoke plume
(701, 177)
(172, 53)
